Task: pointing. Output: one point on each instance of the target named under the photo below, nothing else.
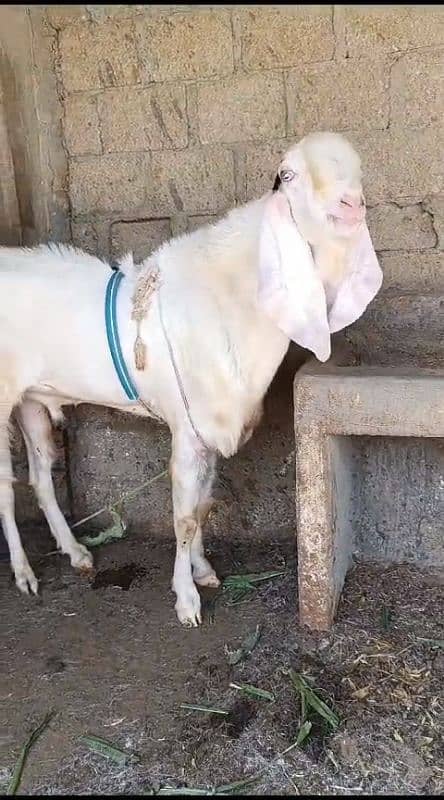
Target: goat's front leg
(191, 473)
(203, 572)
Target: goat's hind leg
(35, 425)
(24, 576)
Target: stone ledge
(331, 404)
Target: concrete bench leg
(323, 496)
(332, 405)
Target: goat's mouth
(344, 224)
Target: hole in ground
(117, 576)
(240, 716)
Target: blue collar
(112, 334)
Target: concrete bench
(331, 404)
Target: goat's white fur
(54, 352)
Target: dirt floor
(111, 660)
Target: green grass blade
(253, 691)
(247, 646)
(248, 581)
(310, 698)
(21, 761)
(183, 790)
(258, 577)
(435, 643)
(323, 710)
(304, 731)
(204, 709)
(108, 750)
(236, 582)
(386, 618)
(237, 588)
(240, 596)
(303, 705)
(227, 788)
(232, 788)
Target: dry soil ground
(110, 658)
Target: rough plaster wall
(172, 114)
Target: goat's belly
(55, 403)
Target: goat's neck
(331, 259)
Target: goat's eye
(286, 175)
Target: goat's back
(45, 296)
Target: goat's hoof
(210, 579)
(188, 610)
(82, 559)
(25, 579)
(204, 574)
(189, 622)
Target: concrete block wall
(178, 112)
(173, 114)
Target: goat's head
(321, 178)
(317, 206)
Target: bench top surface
(314, 369)
(364, 400)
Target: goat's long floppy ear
(289, 290)
(362, 281)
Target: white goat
(296, 264)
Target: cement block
(109, 183)
(413, 271)
(84, 235)
(143, 119)
(201, 219)
(193, 181)
(94, 56)
(99, 13)
(402, 329)
(243, 108)
(81, 125)
(391, 28)
(278, 36)
(395, 227)
(400, 164)
(111, 453)
(417, 88)
(351, 95)
(140, 238)
(60, 16)
(332, 403)
(184, 46)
